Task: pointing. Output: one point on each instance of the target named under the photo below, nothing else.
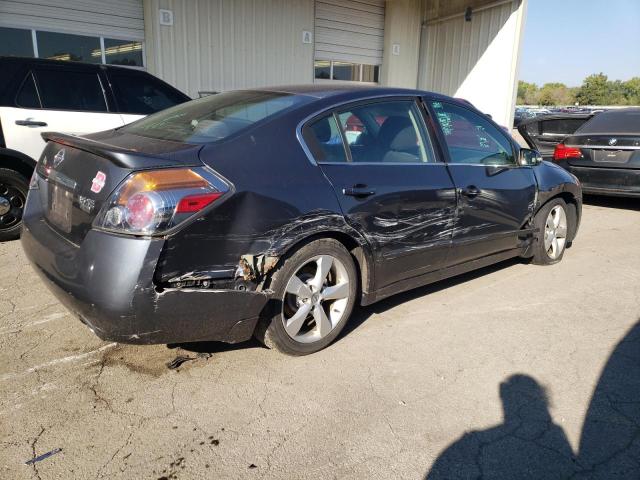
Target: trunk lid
(605, 151)
(76, 175)
(544, 133)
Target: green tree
(595, 90)
(556, 94)
(527, 93)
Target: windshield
(213, 118)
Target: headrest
(390, 129)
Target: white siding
(112, 18)
(475, 60)
(350, 30)
(227, 44)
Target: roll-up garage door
(349, 31)
(112, 18)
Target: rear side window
(28, 95)
(70, 90)
(142, 94)
(386, 132)
(215, 117)
(471, 138)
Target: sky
(567, 40)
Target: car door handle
(471, 191)
(358, 190)
(31, 123)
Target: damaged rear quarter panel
(253, 228)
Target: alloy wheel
(315, 299)
(555, 232)
(11, 204)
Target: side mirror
(529, 157)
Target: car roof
(62, 63)
(326, 90)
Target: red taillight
(152, 202)
(562, 152)
(195, 203)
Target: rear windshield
(213, 118)
(614, 122)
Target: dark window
(70, 90)
(325, 141)
(62, 46)
(370, 73)
(471, 138)
(561, 126)
(322, 69)
(389, 132)
(142, 94)
(123, 52)
(214, 117)
(16, 41)
(346, 71)
(28, 95)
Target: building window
(16, 41)
(64, 46)
(123, 52)
(346, 71)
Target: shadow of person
(527, 445)
(610, 440)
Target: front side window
(62, 46)
(470, 138)
(215, 117)
(142, 94)
(70, 90)
(386, 132)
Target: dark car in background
(274, 212)
(37, 95)
(604, 152)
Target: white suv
(39, 95)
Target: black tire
(271, 330)
(13, 194)
(541, 255)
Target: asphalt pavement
(515, 368)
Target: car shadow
(528, 444)
(624, 203)
(360, 314)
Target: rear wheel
(314, 290)
(13, 195)
(553, 230)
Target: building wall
(112, 18)
(402, 27)
(475, 60)
(217, 45)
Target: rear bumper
(608, 181)
(108, 282)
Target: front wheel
(314, 293)
(553, 229)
